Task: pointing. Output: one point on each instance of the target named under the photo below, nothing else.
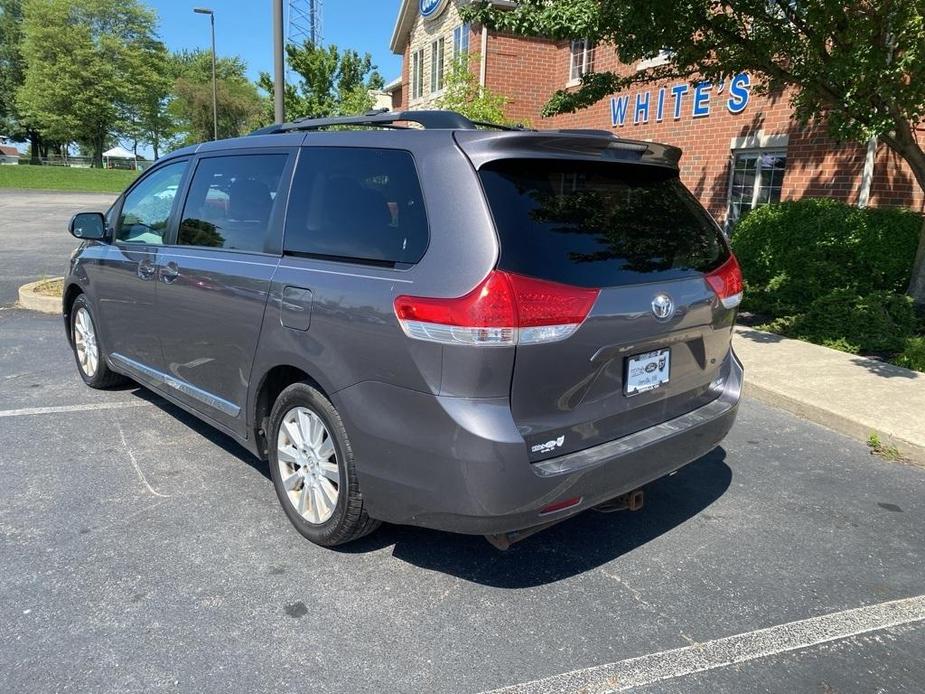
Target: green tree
(332, 82)
(79, 67)
(12, 73)
(463, 93)
(147, 118)
(858, 67)
(239, 104)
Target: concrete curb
(32, 301)
(851, 395)
(831, 420)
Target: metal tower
(304, 22)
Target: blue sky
(245, 28)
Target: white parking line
(26, 411)
(656, 667)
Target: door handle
(170, 272)
(145, 269)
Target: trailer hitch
(631, 501)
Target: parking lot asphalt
(144, 551)
(33, 232)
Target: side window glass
(230, 202)
(357, 204)
(147, 207)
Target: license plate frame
(639, 378)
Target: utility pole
(279, 64)
(205, 10)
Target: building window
(417, 74)
(461, 41)
(582, 59)
(757, 178)
(436, 64)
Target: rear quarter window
(360, 205)
(594, 224)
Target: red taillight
(726, 281)
(504, 309)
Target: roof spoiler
(589, 145)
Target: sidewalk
(850, 394)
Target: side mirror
(88, 226)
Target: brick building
(741, 150)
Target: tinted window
(598, 224)
(230, 202)
(357, 204)
(146, 211)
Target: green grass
(887, 451)
(66, 178)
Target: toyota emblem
(662, 307)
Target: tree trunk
(155, 144)
(917, 282)
(98, 142)
(906, 146)
(35, 147)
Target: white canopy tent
(116, 153)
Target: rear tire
(88, 352)
(313, 470)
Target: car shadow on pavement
(573, 547)
(207, 431)
(570, 548)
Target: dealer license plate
(647, 371)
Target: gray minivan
(464, 327)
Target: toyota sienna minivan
(452, 325)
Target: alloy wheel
(88, 351)
(308, 465)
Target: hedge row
(834, 274)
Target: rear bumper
(461, 465)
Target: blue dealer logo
(429, 8)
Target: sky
(245, 28)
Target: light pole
(206, 10)
(279, 64)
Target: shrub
(795, 253)
(913, 355)
(877, 322)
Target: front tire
(91, 361)
(312, 468)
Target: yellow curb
(29, 299)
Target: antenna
(304, 22)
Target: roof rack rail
(384, 118)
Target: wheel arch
(273, 382)
(71, 292)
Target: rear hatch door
(654, 342)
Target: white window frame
(417, 74)
(437, 65)
(577, 71)
(461, 40)
(759, 182)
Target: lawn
(65, 178)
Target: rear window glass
(357, 204)
(598, 224)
